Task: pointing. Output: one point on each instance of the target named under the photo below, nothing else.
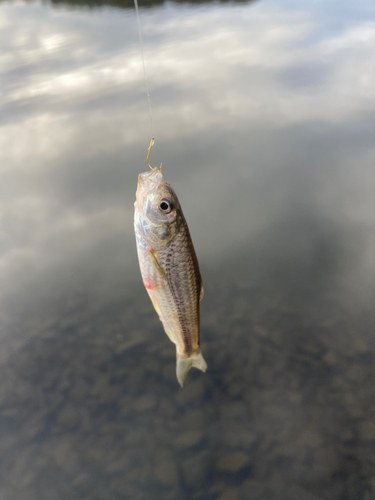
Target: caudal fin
(184, 364)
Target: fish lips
(148, 182)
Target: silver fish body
(169, 267)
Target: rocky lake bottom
(90, 407)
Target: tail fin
(184, 364)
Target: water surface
(264, 121)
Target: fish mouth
(147, 183)
(153, 177)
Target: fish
(169, 266)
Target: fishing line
(144, 66)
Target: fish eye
(166, 205)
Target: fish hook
(148, 157)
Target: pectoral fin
(201, 292)
(157, 264)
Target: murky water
(264, 116)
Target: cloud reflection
(230, 86)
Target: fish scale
(185, 285)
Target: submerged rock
(233, 462)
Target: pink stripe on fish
(148, 284)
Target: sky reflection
(226, 84)
(260, 114)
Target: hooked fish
(169, 266)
